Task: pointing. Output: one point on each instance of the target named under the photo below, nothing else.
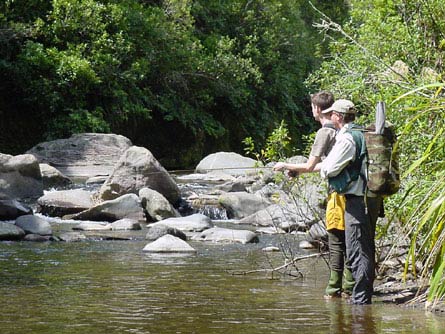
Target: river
(113, 287)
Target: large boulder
(137, 168)
(34, 225)
(309, 196)
(20, 176)
(156, 205)
(65, 202)
(242, 204)
(226, 162)
(278, 216)
(126, 206)
(82, 155)
(10, 209)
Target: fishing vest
(353, 170)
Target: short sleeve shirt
(323, 143)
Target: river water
(112, 287)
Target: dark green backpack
(383, 161)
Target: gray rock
(20, 176)
(279, 216)
(10, 209)
(137, 168)
(227, 162)
(126, 225)
(317, 232)
(304, 244)
(233, 186)
(157, 231)
(270, 230)
(65, 202)
(126, 206)
(34, 225)
(218, 234)
(9, 231)
(37, 238)
(193, 223)
(242, 204)
(156, 205)
(309, 195)
(72, 236)
(270, 249)
(83, 155)
(214, 176)
(169, 244)
(92, 226)
(53, 178)
(96, 180)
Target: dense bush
(182, 78)
(393, 50)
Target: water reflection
(350, 319)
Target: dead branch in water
(284, 266)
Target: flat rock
(193, 223)
(218, 234)
(82, 155)
(65, 202)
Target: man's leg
(336, 241)
(360, 249)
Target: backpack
(383, 160)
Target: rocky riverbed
(102, 187)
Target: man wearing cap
(345, 169)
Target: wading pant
(360, 248)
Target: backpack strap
(361, 152)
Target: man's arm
(307, 167)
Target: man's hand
(279, 166)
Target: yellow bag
(335, 212)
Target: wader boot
(334, 285)
(348, 283)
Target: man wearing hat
(345, 169)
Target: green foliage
(276, 148)
(366, 66)
(209, 70)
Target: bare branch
(284, 266)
